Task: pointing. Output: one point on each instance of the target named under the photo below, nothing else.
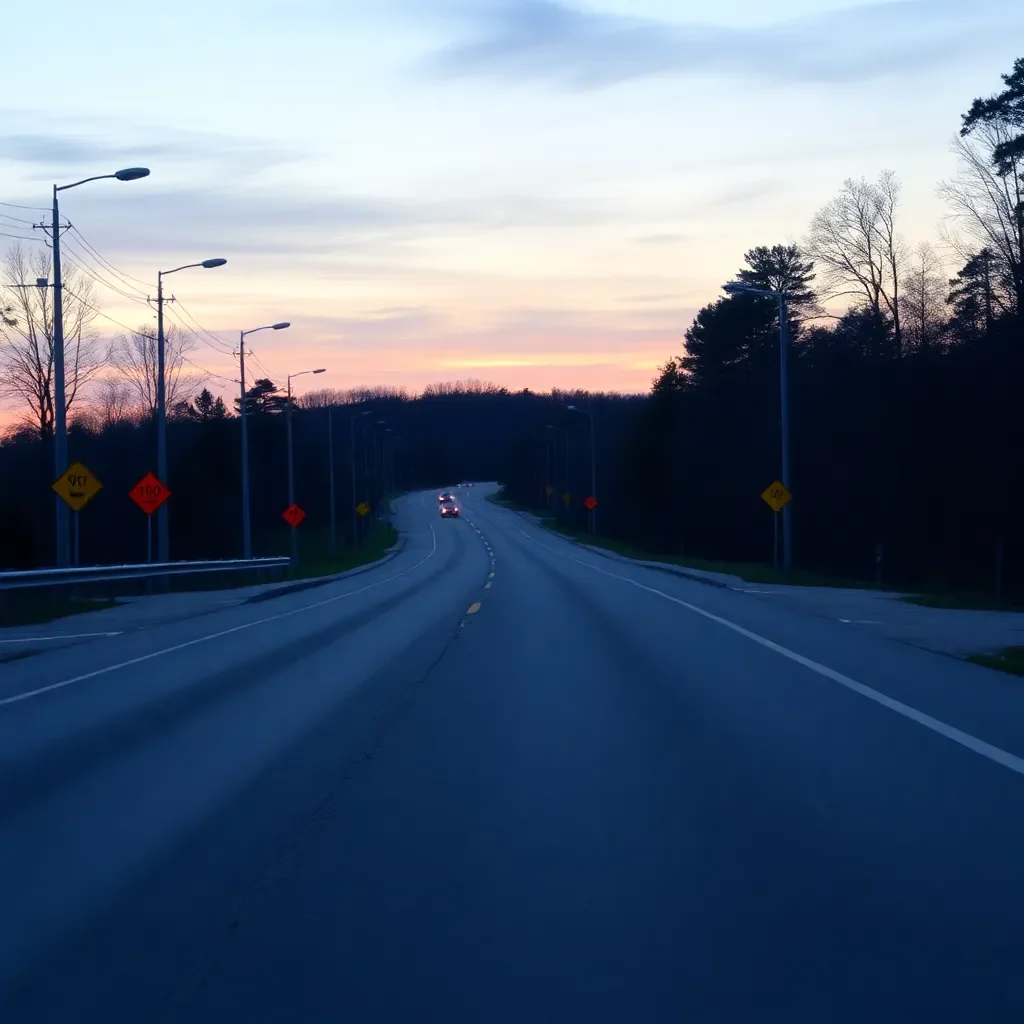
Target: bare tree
(113, 402)
(26, 333)
(987, 207)
(324, 398)
(854, 241)
(135, 356)
(471, 386)
(923, 299)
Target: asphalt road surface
(504, 779)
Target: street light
(355, 502)
(593, 466)
(60, 429)
(246, 521)
(737, 288)
(291, 458)
(384, 472)
(366, 459)
(163, 535)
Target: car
(449, 508)
(446, 496)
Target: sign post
(776, 497)
(149, 494)
(78, 486)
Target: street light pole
(243, 413)
(330, 477)
(163, 532)
(60, 426)
(355, 499)
(291, 457)
(787, 528)
(736, 287)
(593, 466)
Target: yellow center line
(473, 608)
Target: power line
(209, 373)
(131, 330)
(120, 274)
(227, 346)
(23, 238)
(17, 220)
(99, 312)
(198, 337)
(19, 206)
(80, 261)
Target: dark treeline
(450, 433)
(906, 412)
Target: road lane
(585, 801)
(115, 751)
(603, 807)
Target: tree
(1006, 110)
(854, 239)
(209, 408)
(136, 357)
(263, 397)
(731, 333)
(781, 268)
(26, 330)
(923, 301)
(977, 297)
(113, 402)
(987, 196)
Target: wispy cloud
(55, 144)
(569, 45)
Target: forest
(905, 369)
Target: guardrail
(110, 573)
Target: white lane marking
(214, 636)
(66, 636)
(861, 622)
(987, 750)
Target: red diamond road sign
(149, 494)
(293, 515)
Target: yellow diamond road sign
(777, 496)
(362, 508)
(78, 486)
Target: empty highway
(502, 778)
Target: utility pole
(330, 474)
(787, 528)
(243, 412)
(60, 426)
(246, 524)
(291, 473)
(163, 537)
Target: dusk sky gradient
(532, 192)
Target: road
(504, 779)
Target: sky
(538, 193)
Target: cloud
(66, 146)
(568, 45)
(305, 224)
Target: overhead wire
(77, 259)
(132, 330)
(16, 220)
(120, 274)
(20, 206)
(227, 347)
